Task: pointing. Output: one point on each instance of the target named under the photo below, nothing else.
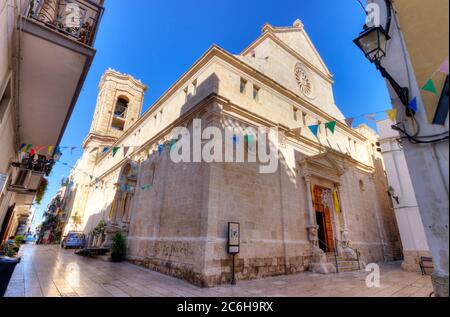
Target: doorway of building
(323, 218)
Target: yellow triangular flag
(50, 149)
(337, 206)
(392, 114)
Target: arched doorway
(125, 190)
(122, 204)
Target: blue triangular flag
(160, 149)
(413, 105)
(314, 129)
(235, 139)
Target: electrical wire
(415, 139)
(362, 6)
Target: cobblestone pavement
(51, 271)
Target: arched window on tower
(120, 113)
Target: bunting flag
(430, 87)
(370, 117)
(235, 139)
(444, 67)
(392, 114)
(172, 144)
(331, 126)
(22, 146)
(105, 149)
(114, 150)
(32, 152)
(248, 138)
(349, 122)
(314, 129)
(28, 147)
(125, 150)
(160, 149)
(337, 206)
(72, 149)
(413, 104)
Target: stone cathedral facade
(178, 225)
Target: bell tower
(119, 105)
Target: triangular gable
(297, 42)
(300, 42)
(273, 57)
(325, 165)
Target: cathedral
(325, 208)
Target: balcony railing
(78, 19)
(36, 164)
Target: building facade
(416, 54)
(328, 192)
(46, 49)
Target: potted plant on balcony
(40, 192)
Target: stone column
(343, 247)
(312, 225)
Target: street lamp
(373, 41)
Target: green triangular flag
(28, 147)
(331, 125)
(429, 86)
(114, 150)
(172, 144)
(248, 138)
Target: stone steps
(344, 265)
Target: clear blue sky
(158, 40)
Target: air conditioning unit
(25, 181)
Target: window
(160, 115)
(243, 85)
(295, 114)
(4, 100)
(120, 112)
(121, 108)
(256, 93)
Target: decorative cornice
(118, 75)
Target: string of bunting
(56, 152)
(105, 184)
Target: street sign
(233, 237)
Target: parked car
(30, 238)
(74, 240)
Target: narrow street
(51, 271)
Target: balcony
(27, 175)
(77, 19)
(56, 39)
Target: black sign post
(233, 244)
